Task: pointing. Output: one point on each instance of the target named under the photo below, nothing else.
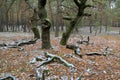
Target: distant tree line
(15, 14)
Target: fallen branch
(84, 41)
(41, 73)
(17, 44)
(77, 50)
(81, 75)
(8, 76)
(27, 42)
(67, 18)
(72, 47)
(3, 45)
(36, 59)
(94, 54)
(53, 58)
(98, 54)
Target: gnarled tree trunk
(33, 25)
(81, 4)
(66, 35)
(45, 23)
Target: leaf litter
(16, 61)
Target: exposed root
(54, 58)
(20, 43)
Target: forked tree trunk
(81, 7)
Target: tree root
(93, 54)
(54, 58)
(77, 51)
(17, 44)
(27, 42)
(8, 76)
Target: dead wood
(84, 41)
(72, 47)
(19, 43)
(8, 76)
(76, 49)
(27, 42)
(39, 75)
(2, 45)
(54, 58)
(94, 54)
(42, 72)
(81, 75)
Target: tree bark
(90, 23)
(33, 24)
(68, 32)
(58, 17)
(81, 7)
(45, 23)
(46, 35)
(51, 15)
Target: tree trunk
(81, 7)
(36, 32)
(46, 37)
(51, 15)
(33, 24)
(45, 23)
(69, 30)
(90, 23)
(58, 19)
(100, 27)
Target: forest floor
(17, 62)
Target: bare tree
(81, 4)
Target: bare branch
(83, 1)
(1, 3)
(86, 14)
(89, 6)
(71, 8)
(10, 5)
(29, 6)
(67, 18)
(97, 2)
(42, 3)
(77, 3)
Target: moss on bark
(45, 23)
(36, 32)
